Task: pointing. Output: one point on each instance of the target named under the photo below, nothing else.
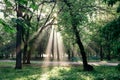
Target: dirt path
(66, 63)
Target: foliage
(8, 27)
(7, 48)
(113, 2)
(98, 20)
(7, 37)
(118, 67)
(111, 36)
(112, 29)
(79, 10)
(7, 34)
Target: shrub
(118, 67)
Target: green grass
(33, 72)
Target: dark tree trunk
(68, 52)
(30, 51)
(118, 51)
(53, 45)
(81, 47)
(29, 57)
(58, 54)
(18, 41)
(25, 53)
(1, 56)
(108, 54)
(101, 53)
(40, 51)
(108, 47)
(72, 53)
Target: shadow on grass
(35, 72)
(29, 72)
(76, 73)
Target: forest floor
(35, 72)
(62, 70)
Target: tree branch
(44, 24)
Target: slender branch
(50, 14)
(44, 24)
(39, 16)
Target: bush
(118, 67)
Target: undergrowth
(31, 72)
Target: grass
(32, 72)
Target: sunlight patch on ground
(44, 77)
(54, 72)
(31, 77)
(87, 77)
(49, 73)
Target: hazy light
(60, 46)
(55, 46)
(1, 15)
(55, 14)
(49, 45)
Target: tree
(75, 18)
(110, 32)
(19, 39)
(7, 38)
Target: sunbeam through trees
(71, 36)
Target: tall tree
(18, 39)
(76, 19)
(110, 31)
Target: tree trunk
(30, 51)
(58, 54)
(29, 57)
(108, 55)
(101, 53)
(18, 41)
(25, 53)
(72, 53)
(81, 47)
(68, 52)
(118, 51)
(52, 57)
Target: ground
(58, 71)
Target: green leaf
(22, 2)
(14, 20)
(34, 6)
(118, 9)
(7, 27)
(8, 3)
